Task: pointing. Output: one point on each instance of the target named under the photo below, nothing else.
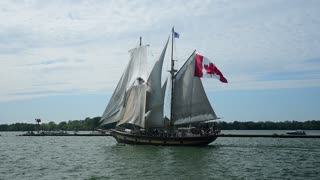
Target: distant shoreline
(90, 124)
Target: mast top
(140, 41)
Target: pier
(268, 136)
(220, 136)
(107, 134)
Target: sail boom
(195, 119)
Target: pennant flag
(176, 35)
(205, 68)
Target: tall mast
(140, 41)
(172, 71)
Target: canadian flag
(205, 68)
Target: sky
(61, 60)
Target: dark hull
(128, 138)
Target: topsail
(136, 68)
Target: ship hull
(128, 138)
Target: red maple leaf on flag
(211, 69)
(204, 66)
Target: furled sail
(135, 68)
(190, 103)
(155, 95)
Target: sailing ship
(136, 114)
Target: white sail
(155, 95)
(136, 68)
(190, 103)
(135, 105)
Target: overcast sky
(61, 60)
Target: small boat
(143, 110)
(297, 132)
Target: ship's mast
(140, 41)
(172, 71)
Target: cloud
(63, 47)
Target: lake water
(102, 158)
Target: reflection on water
(103, 158)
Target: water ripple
(102, 158)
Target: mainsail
(190, 103)
(136, 68)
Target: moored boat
(297, 132)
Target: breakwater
(222, 135)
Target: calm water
(103, 158)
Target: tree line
(270, 125)
(89, 124)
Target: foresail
(113, 110)
(155, 95)
(135, 68)
(135, 105)
(190, 103)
